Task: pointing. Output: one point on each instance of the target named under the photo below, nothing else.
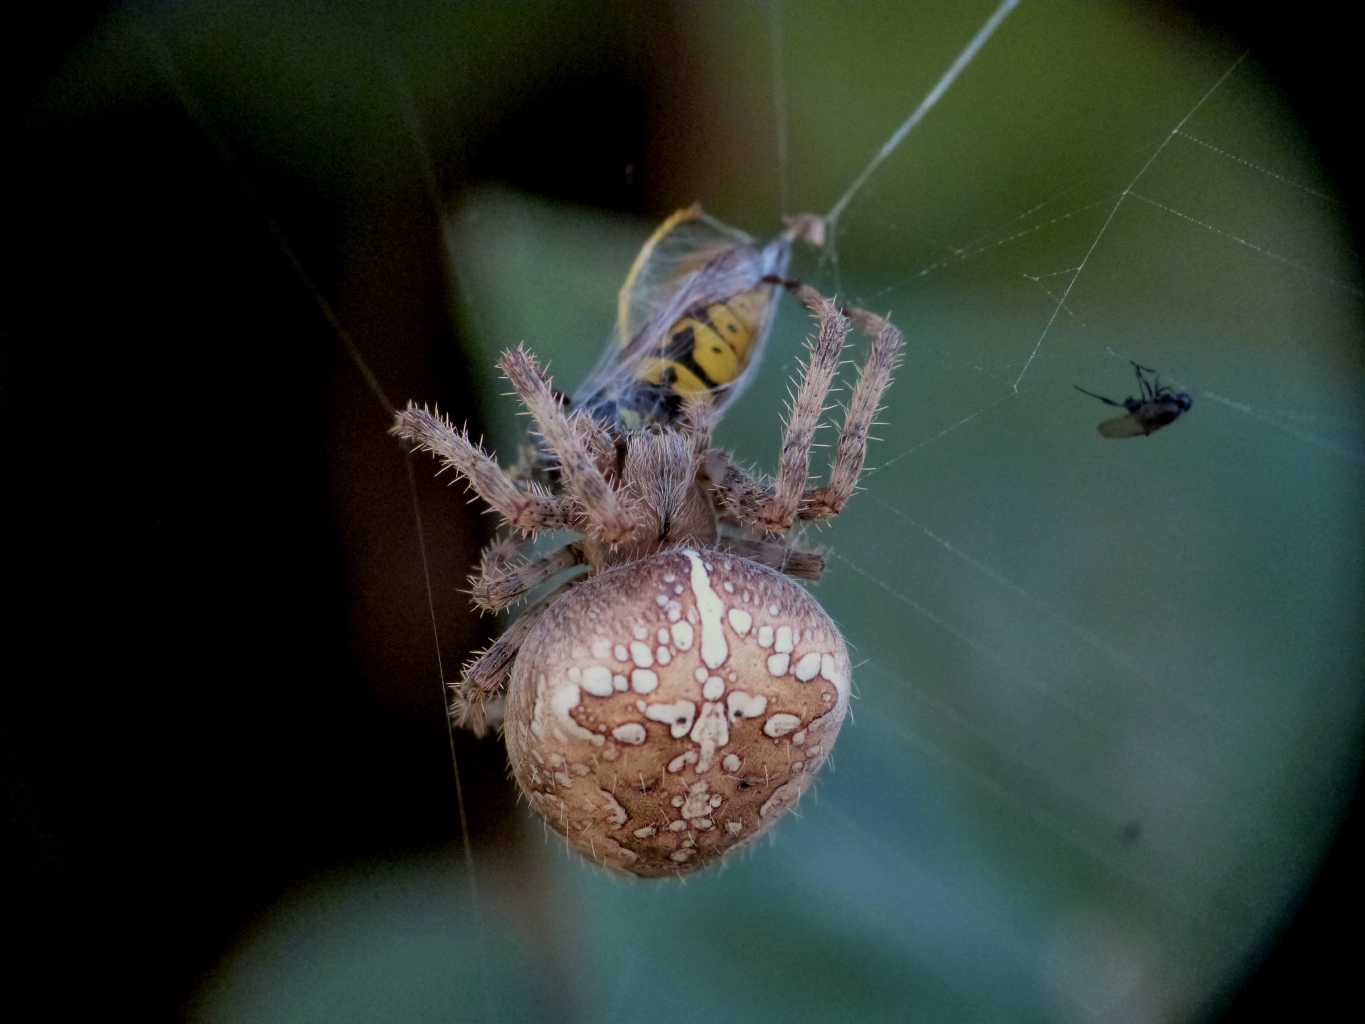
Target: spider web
(1108, 704)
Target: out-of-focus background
(1110, 711)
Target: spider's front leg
(605, 515)
(774, 510)
(851, 455)
(780, 507)
(528, 509)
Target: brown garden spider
(672, 701)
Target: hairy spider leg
(605, 515)
(859, 416)
(783, 506)
(485, 674)
(506, 581)
(527, 509)
(769, 509)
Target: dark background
(193, 463)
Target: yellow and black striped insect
(693, 317)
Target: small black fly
(1157, 406)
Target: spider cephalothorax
(668, 704)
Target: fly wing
(1127, 425)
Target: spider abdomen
(666, 711)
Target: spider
(1159, 406)
(672, 701)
